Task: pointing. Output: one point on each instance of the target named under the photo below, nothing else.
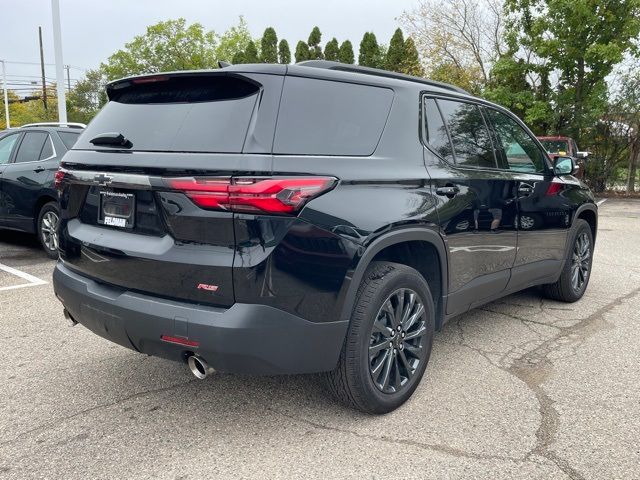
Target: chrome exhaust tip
(199, 367)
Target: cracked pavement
(519, 388)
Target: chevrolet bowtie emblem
(102, 179)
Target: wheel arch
(589, 213)
(391, 246)
(42, 201)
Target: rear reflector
(179, 341)
(252, 195)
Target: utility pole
(44, 82)
(6, 98)
(68, 79)
(57, 47)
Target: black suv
(29, 157)
(273, 219)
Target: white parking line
(602, 201)
(33, 281)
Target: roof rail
(344, 67)
(55, 124)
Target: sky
(93, 30)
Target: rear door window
(469, 134)
(437, 135)
(31, 147)
(320, 117)
(201, 113)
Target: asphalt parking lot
(522, 388)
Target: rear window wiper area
(111, 139)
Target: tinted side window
(518, 148)
(469, 134)
(31, 147)
(6, 147)
(47, 149)
(437, 135)
(68, 138)
(319, 117)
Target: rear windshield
(177, 114)
(319, 117)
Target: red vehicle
(559, 145)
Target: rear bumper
(244, 338)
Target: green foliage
(269, 46)
(580, 42)
(233, 42)
(395, 57)
(410, 63)
(345, 55)
(315, 51)
(166, 46)
(87, 97)
(370, 55)
(238, 58)
(251, 53)
(284, 53)
(302, 52)
(332, 50)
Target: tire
(579, 256)
(47, 228)
(408, 351)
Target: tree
(269, 46)
(87, 96)
(238, 58)
(251, 53)
(579, 42)
(346, 53)
(302, 52)
(284, 53)
(233, 42)
(410, 63)
(315, 51)
(166, 46)
(396, 54)
(332, 50)
(459, 40)
(370, 55)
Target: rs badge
(209, 288)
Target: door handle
(524, 189)
(39, 169)
(449, 191)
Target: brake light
(58, 178)
(554, 188)
(152, 79)
(252, 195)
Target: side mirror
(564, 166)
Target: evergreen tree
(302, 52)
(369, 51)
(269, 46)
(396, 53)
(315, 51)
(332, 50)
(345, 54)
(251, 53)
(284, 53)
(238, 58)
(411, 62)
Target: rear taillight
(252, 195)
(58, 178)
